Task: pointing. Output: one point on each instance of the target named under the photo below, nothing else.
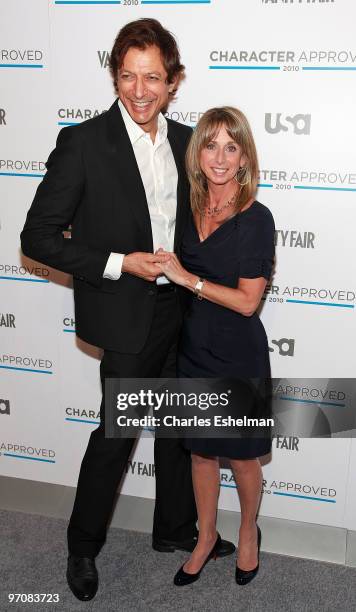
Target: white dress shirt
(159, 176)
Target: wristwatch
(199, 287)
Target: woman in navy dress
(226, 261)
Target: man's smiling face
(142, 86)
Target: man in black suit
(119, 180)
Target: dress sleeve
(257, 246)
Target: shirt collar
(135, 132)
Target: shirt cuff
(113, 266)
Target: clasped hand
(171, 267)
(149, 266)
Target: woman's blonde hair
(239, 131)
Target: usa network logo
(311, 296)
(284, 346)
(298, 124)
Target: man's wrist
(124, 263)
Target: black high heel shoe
(245, 576)
(182, 578)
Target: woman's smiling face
(221, 158)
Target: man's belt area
(166, 287)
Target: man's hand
(173, 269)
(144, 265)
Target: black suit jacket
(93, 183)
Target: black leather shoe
(245, 576)
(223, 549)
(82, 577)
(182, 578)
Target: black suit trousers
(105, 459)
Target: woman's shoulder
(261, 209)
(257, 213)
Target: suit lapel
(126, 169)
(178, 149)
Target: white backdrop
(291, 67)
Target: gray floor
(135, 578)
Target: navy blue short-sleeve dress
(216, 341)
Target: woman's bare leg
(248, 476)
(206, 482)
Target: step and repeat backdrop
(290, 66)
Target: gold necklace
(212, 212)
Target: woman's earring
(243, 172)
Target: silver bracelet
(199, 287)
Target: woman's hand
(174, 270)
